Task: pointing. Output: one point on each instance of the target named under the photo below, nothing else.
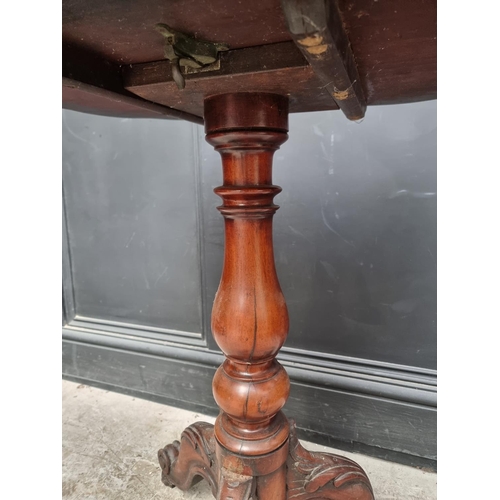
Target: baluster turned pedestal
(252, 451)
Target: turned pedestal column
(252, 451)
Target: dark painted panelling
(381, 383)
(130, 197)
(170, 378)
(364, 419)
(355, 238)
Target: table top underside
(114, 64)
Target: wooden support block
(274, 68)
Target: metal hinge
(183, 50)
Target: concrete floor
(110, 443)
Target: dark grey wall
(355, 246)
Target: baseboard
(378, 415)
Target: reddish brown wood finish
(249, 317)
(251, 452)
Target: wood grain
(252, 452)
(393, 43)
(278, 68)
(249, 316)
(85, 98)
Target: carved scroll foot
(184, 464)
(318, 476)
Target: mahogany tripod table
(240, 70)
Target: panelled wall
(355, 249)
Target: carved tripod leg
(184, 464)
(320, 476)
(250, 453)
